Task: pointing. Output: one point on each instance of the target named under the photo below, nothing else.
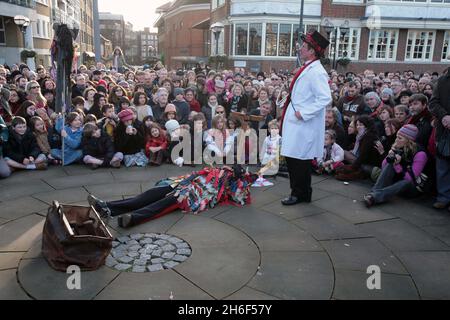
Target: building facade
(148, 45)
(382, 34)
(38, 34)
(181, 44)
(86, 36)
(112, 27)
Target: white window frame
(415, 32)
(446, 38)
(350, 43)
(394, 37)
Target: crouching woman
(404, 162)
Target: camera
(391, 159)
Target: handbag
(443, 145)
(75, 235)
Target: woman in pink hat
(403, 164)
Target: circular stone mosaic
(148, 252)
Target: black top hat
(317, 41)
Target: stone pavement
(263, 251)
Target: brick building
(382, 34)
(180, 44)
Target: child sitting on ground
(98, 148)
(333, 155)
(22, 151)
(72, 133)
(129, 139)
(42, 136)
(156, 145)
(108, 123)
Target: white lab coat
(304, 139)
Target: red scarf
(291, 88)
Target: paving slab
(137, 176)
(247, 293)
(19, 235)
(270, 232)
(10, 260)
(355, 190)
(352, 285)
(399, 235)
(293, 212)
(21, 177)
(295, 275)
(359, 254)
(14, 209)
(328, 226)
(354, 212)
(416, 213)
(160, 285)
(70, 195)
(35, 251)
(20, 190)
(43, 283)
(430, 271)
(114, 189)
(80, 180)
(442, 232)
(10, 288)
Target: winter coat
(18, 148)
(128, 144)
(351, 106)
(367, 154)
(152, 142)
(423, 122)
(183, 111)
(304, 139)
(4, 134)
(72, 143)
(440, 103)
(100, 148)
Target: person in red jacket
(156, 145)
(190, 98)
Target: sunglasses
(35, 87)
(220, 112)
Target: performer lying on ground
(193, 193)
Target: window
(446, 48)
(284, 42)
(271, 39)
(295, 35)
(241, 39)
(217, 3)
(2, 31)
(419, 46)
(347, 46)
(382, 44)
(255, 39)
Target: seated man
(264, 111)
(218, 185)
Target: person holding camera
(403, 164)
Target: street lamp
(22, 22)
(329, 28)
(217, 29)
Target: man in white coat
(303, 124)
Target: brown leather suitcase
(75, 235)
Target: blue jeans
(386, 188)
(5, 171)
(443, 180)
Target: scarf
(235, 102)
(359, 137)
(328, 150)
(291, 88)
(213, 109)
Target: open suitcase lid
(68, 227)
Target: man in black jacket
(440, 108)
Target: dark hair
(88, 130)
(137, 96)
(71, 117)
(18, 120)
(367, 121)
(124, 100)
(423, 99)
(395, 123)
(200, 117)
(318, 55)
(106, 107)
(78, 100)
(90, 118)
